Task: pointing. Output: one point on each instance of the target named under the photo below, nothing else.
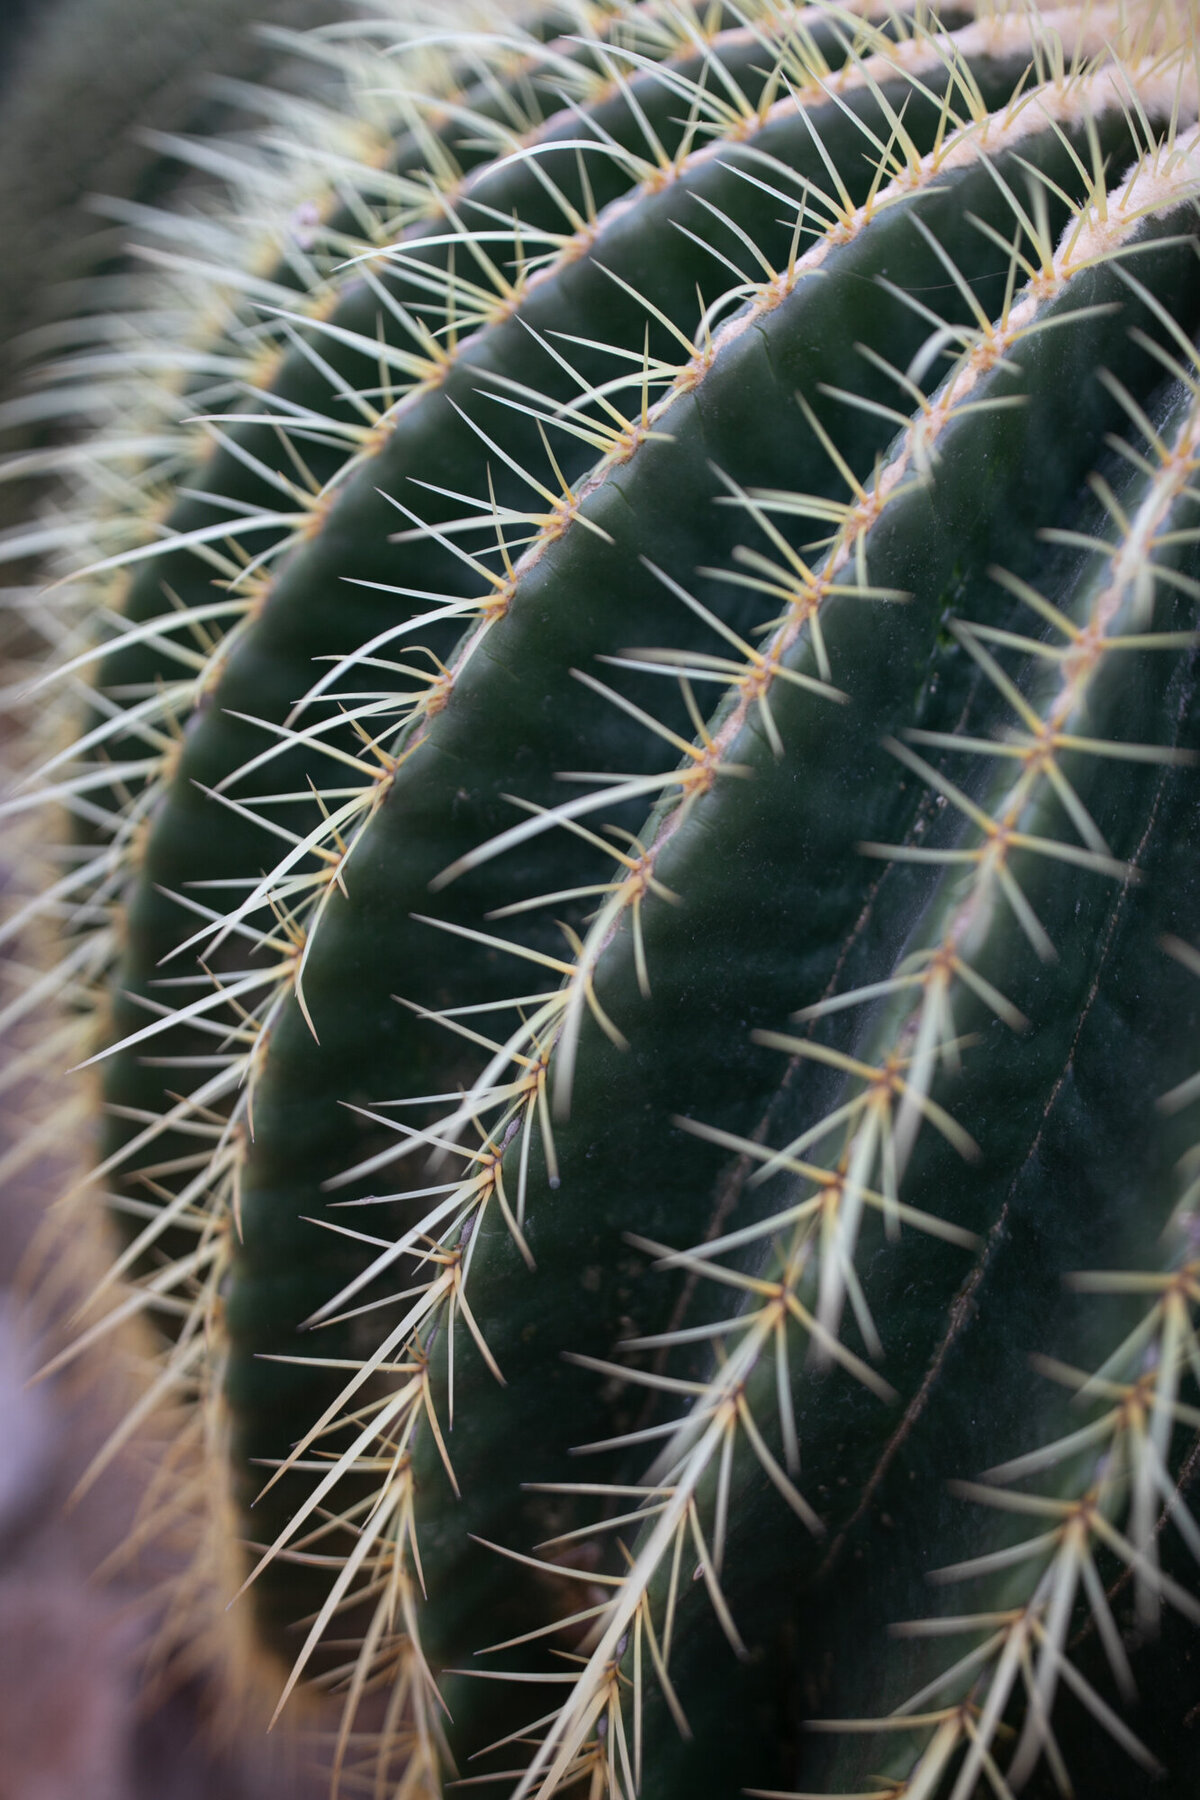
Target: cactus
(634, 862)
(76, 125)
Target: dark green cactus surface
(636, 852)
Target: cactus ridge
(933, 628)
(207, 616)
(1107, 1478)
(192, 611)
(929, 1027)
(921, 1033)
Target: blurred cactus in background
(74, 124)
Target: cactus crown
(634, 841)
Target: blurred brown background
(78, 80)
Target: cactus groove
(637, 827)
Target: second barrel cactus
(638, 814)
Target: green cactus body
(678, 837)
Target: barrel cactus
(633, 860)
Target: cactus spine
(650, 761)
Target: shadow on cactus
(634, 810)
